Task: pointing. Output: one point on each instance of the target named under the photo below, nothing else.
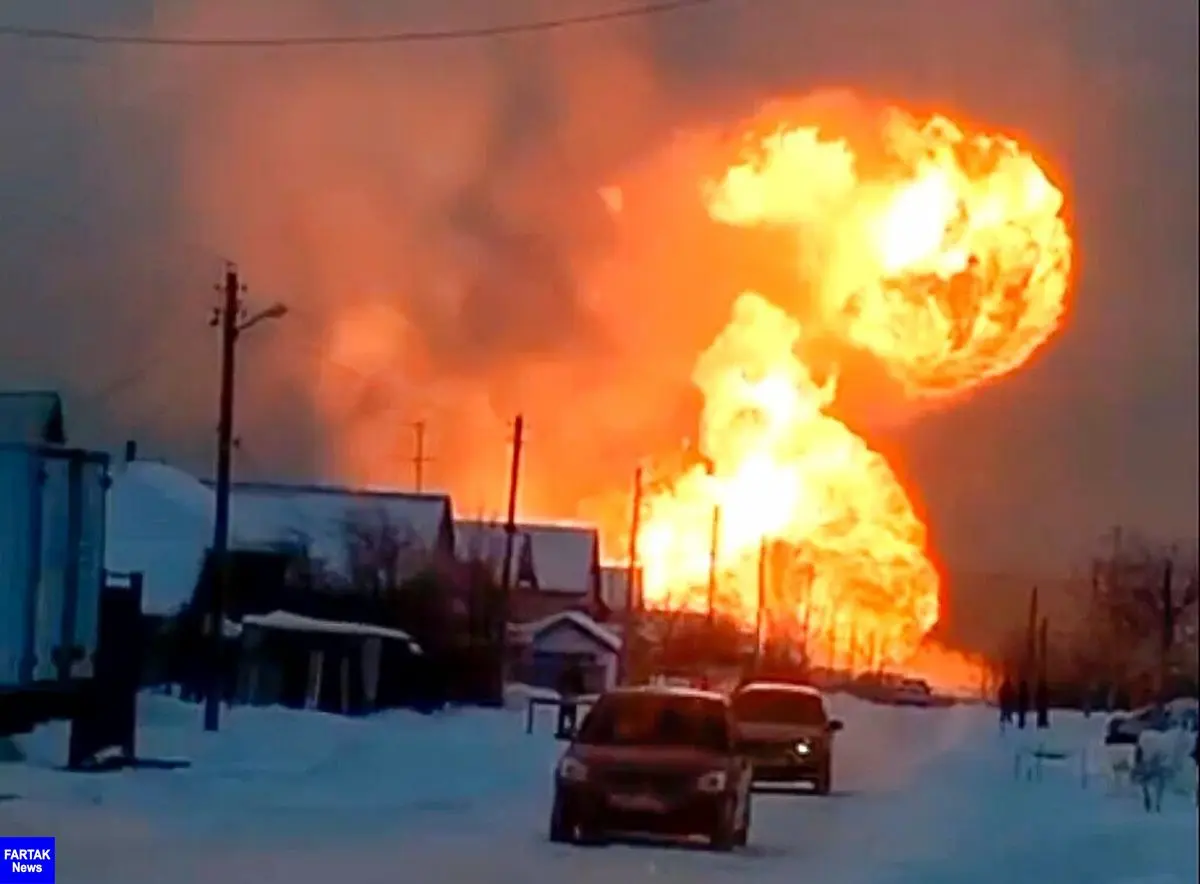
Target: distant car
(654, 761)
(912, 692)
(786, 731)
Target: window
(657, 720)
(780, 707)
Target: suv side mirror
(835, 725)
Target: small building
(305, 663)
(161, 524)
(555, 567)
(543, 649)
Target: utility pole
(1042, 690)
(633, 596)
(231, 319)
(760, 609)
(713, 551)
(419, 459)
(510, 536)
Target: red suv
(655, 761)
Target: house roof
(159, 523)
(580, 621)
(270, 514)
(563, 556)
(286, 621)
(31, 418)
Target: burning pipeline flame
(949, 263)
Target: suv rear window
(657, 720)
(779, 707)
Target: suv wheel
(741, 836)
(563, 829)
(724, 836)
(824, 781)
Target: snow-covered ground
(922, 797)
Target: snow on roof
(289, 622)
(159, 523)
(320, 515)
(531, 630)
(564, 556)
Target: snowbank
(269, 767)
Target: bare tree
(1142, 593)
(381, 552)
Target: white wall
(566, 639)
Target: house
(544, 648)
(305, 663)
(555, 567)
(328, 521)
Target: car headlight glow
(713, 782)
(803, 748)
(572, 771)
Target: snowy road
(923, 797)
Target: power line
(443, 35)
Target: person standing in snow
(1006, 701)
(1042, 704)
(1022, 702)
(570, 687)
(1196, 763)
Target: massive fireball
(945, 256)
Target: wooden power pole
(232, 320)
(714, 551)
(419, 459)
(227, 319)
(633, 596)
(510, 536)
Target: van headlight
(803, 748)
(713, 782)
(572, 771)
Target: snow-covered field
(922, 797)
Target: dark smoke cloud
(456, 186)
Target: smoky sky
(110, 239)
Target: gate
(106, 717)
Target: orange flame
(950, 264)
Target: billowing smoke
(432, 215)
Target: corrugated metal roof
(31, 418)
(269, 513)
(564, 557)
